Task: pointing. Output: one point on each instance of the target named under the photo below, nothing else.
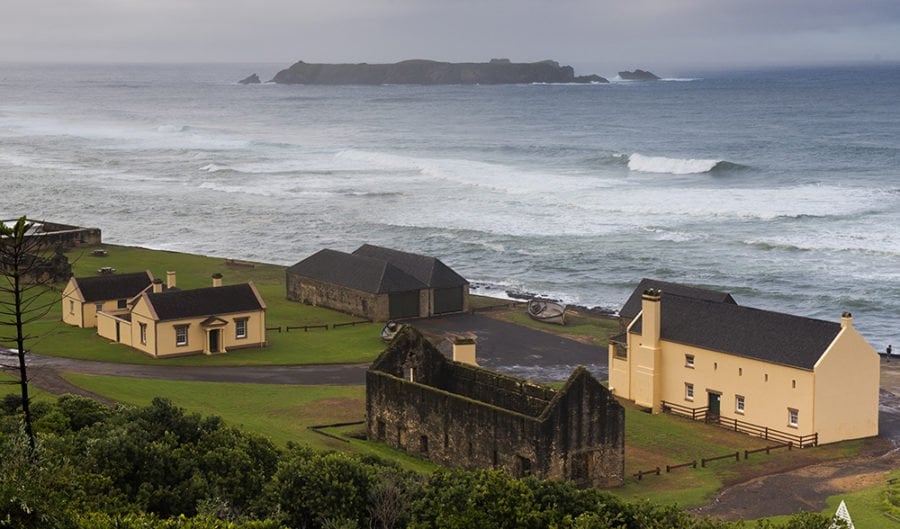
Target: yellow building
(84, 297)
(177, 322)
(765, 373)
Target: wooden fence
(737, 425)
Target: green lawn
(581, 327)
(351, 344)
(280, 412)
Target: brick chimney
(846, 320)
(170, 279)
(157, 286)
(217, 279)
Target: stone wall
(459, 415)
(53, 235)
(319, 293)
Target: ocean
(779, 186)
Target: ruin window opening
(380, 430)
(423, 444)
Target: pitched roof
(177, 304)
(429, 270)
(744, 331)
(632, 307)
(359, 272)
(113, 286)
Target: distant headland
(425, 72)
(638, 75)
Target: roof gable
(632, 306)
(359, 272)
(177, 304)
(744, 331)
(113, 286)
(429, 270)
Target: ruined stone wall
(506, 392)
(587, 426)
(449, 429)
(319, 293)
(60, 235)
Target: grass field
(583, 327)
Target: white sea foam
(171, 128)
(661, 164)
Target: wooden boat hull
(547, 311)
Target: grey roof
(753, 333)
(632, 307)
(177, 304)
(359, 272)
(429, 270)
(113, 286)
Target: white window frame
(98, 307)
(689, 361)
(71, 306)
(240, 328)
(793, 417)
(740, 404)
(181, 340)
(143, 328)
(689, 391)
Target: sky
(594, 36)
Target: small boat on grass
(547, 311)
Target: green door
(712, 412)
(448, 300)
(403, 304)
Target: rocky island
(638, 75)
(425, 72)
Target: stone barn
(464, 416)
(378, 284)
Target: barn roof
(368, 274)
(429, 270)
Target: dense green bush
(157, 467)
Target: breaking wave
(679, 166)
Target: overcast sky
(595, 36)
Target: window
(740, 371)
(715, 366)
(739, 404)
(688, 391)
(766, 379)
(794, 384)
(240, 328)
(423, 444)
(99, 307)
(181, 335)
(122, 304)
(793, 417)
(143, 333)
(71, 307)
(689, 361)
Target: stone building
(460, 415)
(378, 284)
(54, 234)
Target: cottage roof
(113, 286)
(632, 306)
(176, 304)
(429, 270)
(359, 272)
(744, 331)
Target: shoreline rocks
(250, 79)
(638, 75)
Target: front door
(214, 341)
(712, 412)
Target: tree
(25, 297)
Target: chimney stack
(217, 279)
(157, 286)
(464, 350)
(651, 318)
(846, 320)
(170, 279)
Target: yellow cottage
(84, 297)
(765, 373)
(177, 322)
